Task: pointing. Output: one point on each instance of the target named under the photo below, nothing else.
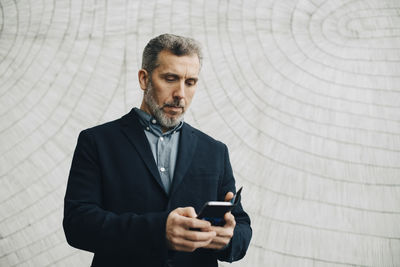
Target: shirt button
(161, 139)
(162, 169)
(153, 121)
(147, 128)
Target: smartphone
(214, 211)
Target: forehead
(188, 65)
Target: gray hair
(177, 45)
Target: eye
(191, 82)
(170, 78)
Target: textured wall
(305, 93)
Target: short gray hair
(177, 45)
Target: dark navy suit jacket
(115, 205)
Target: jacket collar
(133, 130)
(186, 149)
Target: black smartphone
(214, 211)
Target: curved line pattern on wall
(304, 93)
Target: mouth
(173, 110)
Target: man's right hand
(180, 237)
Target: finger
(229, 220)
(223, 231)
(187, 212)
(195, 223)
(221, 240)
(189, 246)
(204, 229)
(213, 246)
(198, 236)
(218, 243)
(229, 196)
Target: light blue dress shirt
(164, 146)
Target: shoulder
(103, 128)
(114, 125)
(203, 138)
(110, 130)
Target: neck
(145, 108)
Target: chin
(173, 115)
(173, 118)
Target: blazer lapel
(187, 147)
(133, 130)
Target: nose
(179, 92)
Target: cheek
(189, 95)
(160, 95)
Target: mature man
(136, 183)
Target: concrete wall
(305, 93)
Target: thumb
(187, 212)
(229, 196)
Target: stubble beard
(157, 110)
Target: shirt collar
(151, 124)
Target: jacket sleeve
(88, 226)
(240, 241)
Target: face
(171, 87)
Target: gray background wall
(305, 94)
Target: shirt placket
(163, 161)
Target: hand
(225, 233)
(180, 237)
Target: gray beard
(157, 111)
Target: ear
(143, 77)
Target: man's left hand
(224, 233)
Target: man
(136, 183)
